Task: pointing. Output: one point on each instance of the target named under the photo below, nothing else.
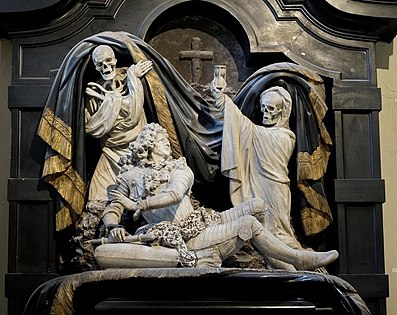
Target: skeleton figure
(272, 107)
(259, 168)
(173, 221)
(114, 114)
(105, 62)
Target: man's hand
(116, 196)
(143, 67)
(118, 234)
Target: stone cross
(196, 56)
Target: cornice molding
(368, 20)
(372, 8)
(50, 18)
(364, 20)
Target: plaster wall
(387, 81)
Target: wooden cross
(196, 56)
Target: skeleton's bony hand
(218, 95)
(93, 93)
(143, 67)
(215, 90)
(92, 90)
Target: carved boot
(312, 260)
(273, 263)
(269, 245)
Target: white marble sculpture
(258, 168)
(114, 114)
(157, 186)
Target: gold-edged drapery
(313, 141)
(62, 123)
(170, 101)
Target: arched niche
(229, 39)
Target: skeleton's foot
(307, 260)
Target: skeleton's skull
(271, 107)
(105, 61)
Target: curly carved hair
(143, 145)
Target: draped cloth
(313, 142)
(116, 122)
(255, 159)
(169, 100)
(56, 296)
(195, 130)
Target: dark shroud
(169, 100)
(195, 129)
(313, 143)
(123, 291)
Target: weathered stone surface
(130, 255)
